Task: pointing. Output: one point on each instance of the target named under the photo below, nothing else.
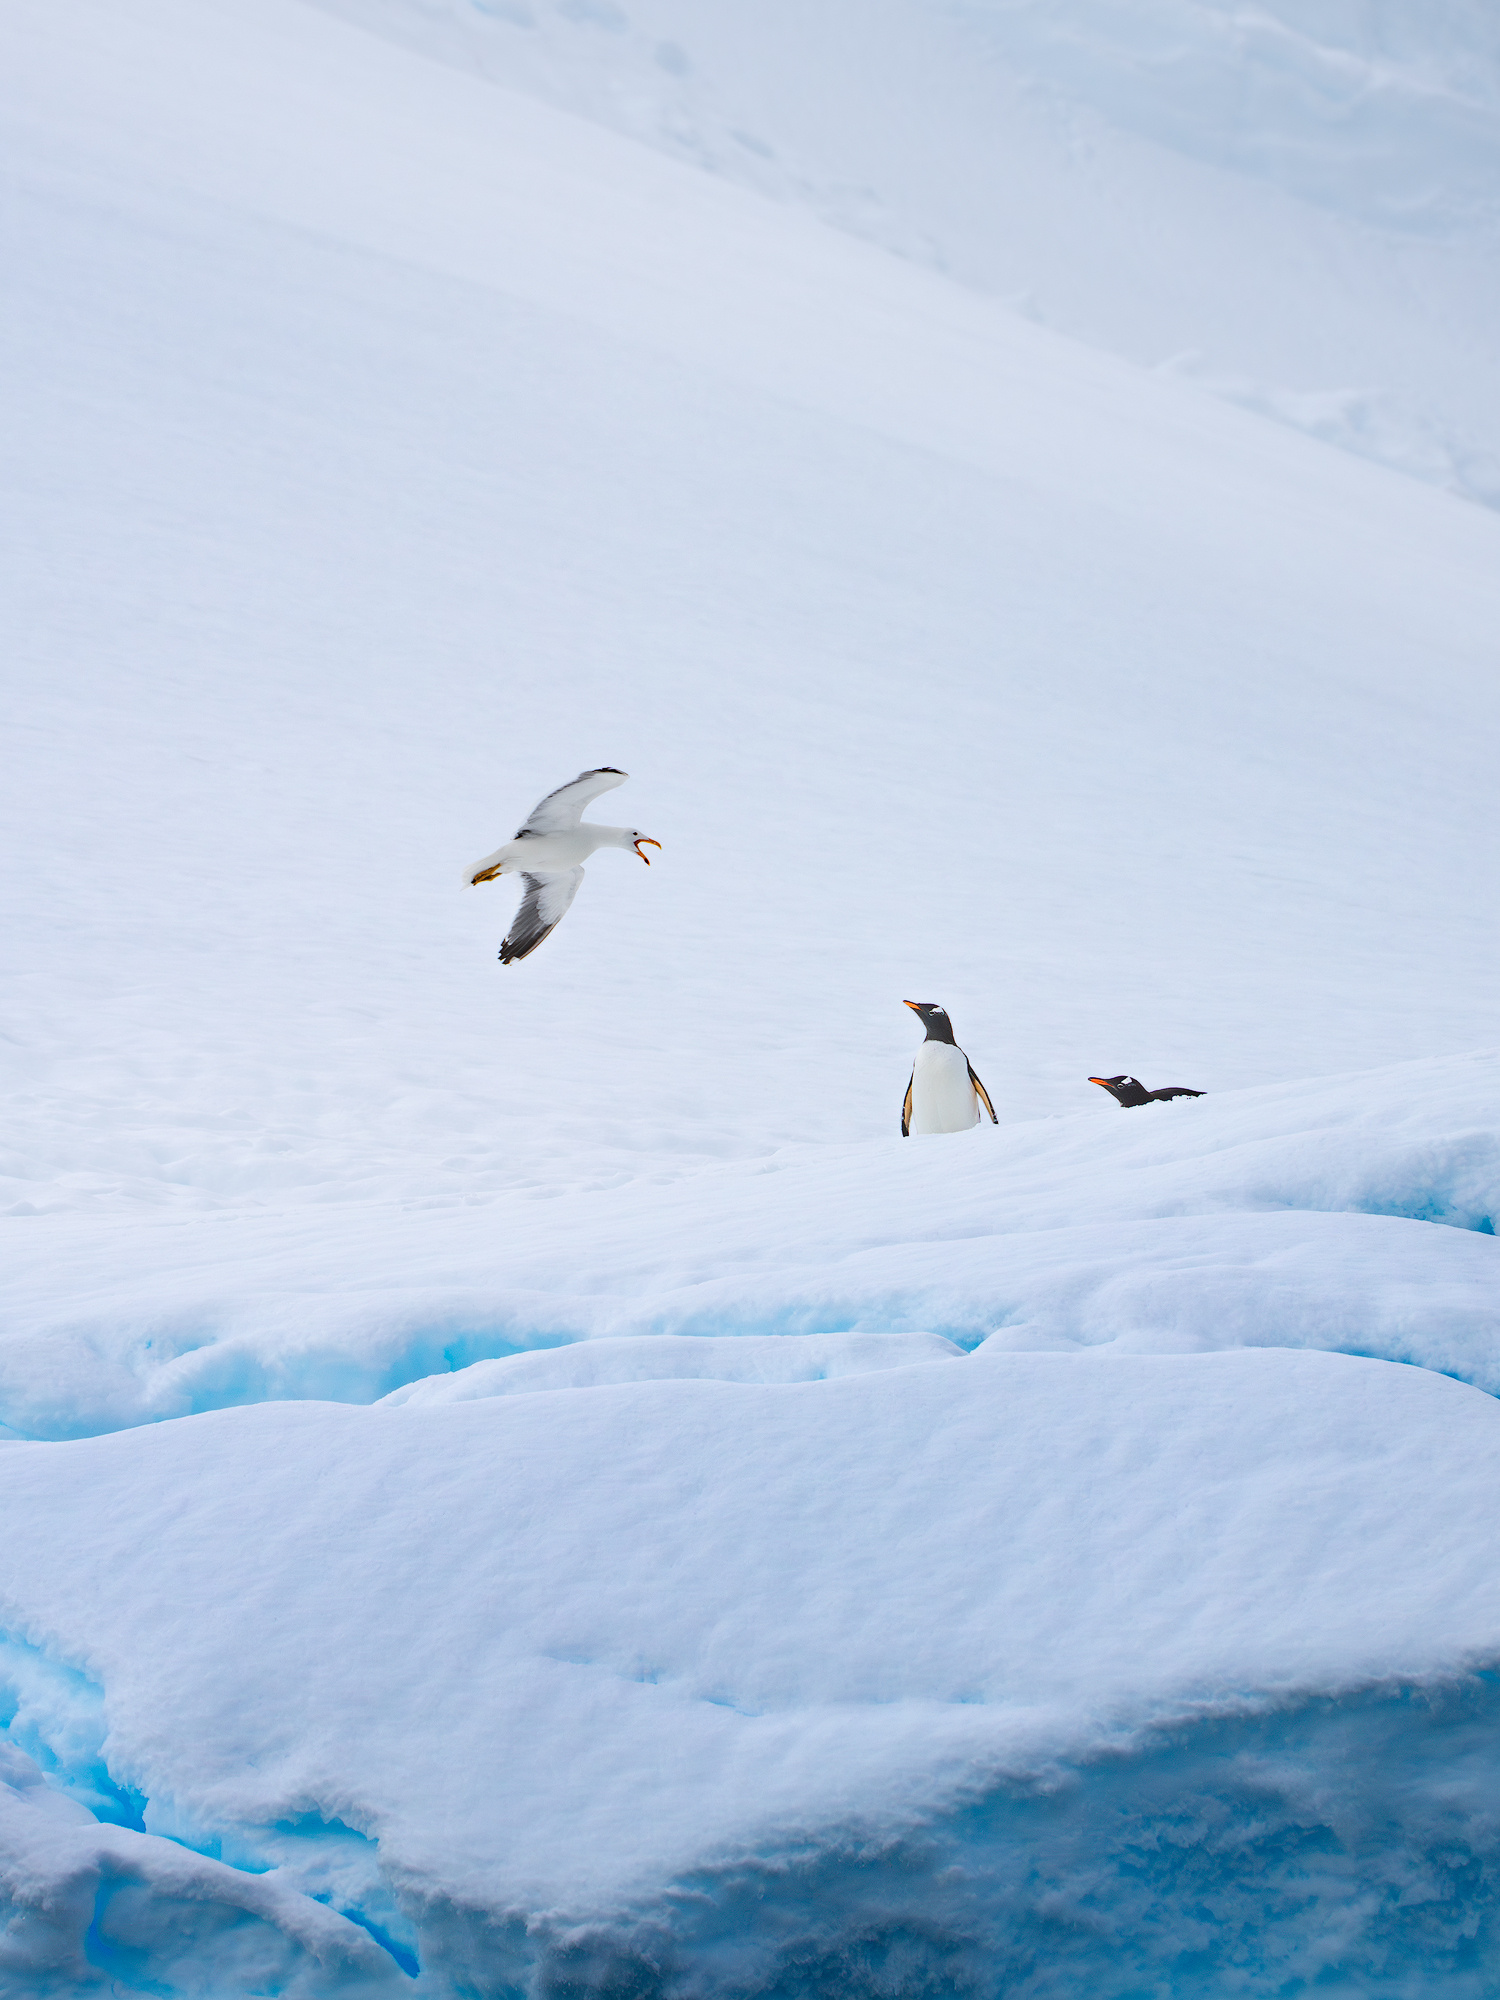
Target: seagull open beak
(644, 842)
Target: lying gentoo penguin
(944, 1094)
(547, 853)
(1127, 1093)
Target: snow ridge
(1297, 1215)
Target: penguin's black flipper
(984, 1096)
(1173, 1090)
(906, 1107)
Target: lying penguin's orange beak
(644, 842)
(1103, 1082)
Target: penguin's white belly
(942, 1097)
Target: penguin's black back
(1128, 1092)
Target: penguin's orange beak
(1100, 1081)
(644, 842)
(915, 1005)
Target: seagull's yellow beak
(644, 842)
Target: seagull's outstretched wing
(563, 808)
(543, 908)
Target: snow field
(787, 1560)
(751, 500)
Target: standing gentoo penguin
(1127, 1093)
(944, 1094)
(548, 854)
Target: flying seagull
(1127, 1093)
(944, 1094)
(548, 854)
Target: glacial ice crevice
(110, 1890)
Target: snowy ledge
(1029, 1651)
(1298, 1215)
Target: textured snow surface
(1296, 1215)
(595, 1654)
(782, 1559)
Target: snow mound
(1352, 1213)
(670, 1357)
(948, 1638)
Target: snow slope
(1297, 207)
(393, 445)
(1206, 715)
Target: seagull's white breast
(942, 1097)
(549, 853)
(568, 849)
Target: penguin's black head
(1126, 1092)
(933, 1018)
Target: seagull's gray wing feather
(543, 908)
(563, 809)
